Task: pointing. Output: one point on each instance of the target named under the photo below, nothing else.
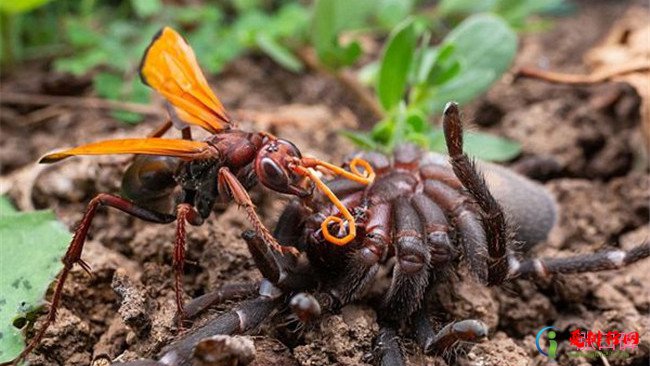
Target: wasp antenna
(352, 231)
(365, 177)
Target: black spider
(424, 215)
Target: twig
(347, 79)
(603, 358)
(41, 115)
(21, 182)
(78, 102)
(593, 78)
(54, 103)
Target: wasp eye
(273, 173)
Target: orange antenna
(366, 177)
(306, 168)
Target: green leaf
(400, 127)
(279, 53)
(382, 131)
(416, 122)
(491, 148)
(437, 140)
(83, 62)
(330, 17)
(210, 15)
(32, 245)
(479, 145)
(146, 8)
(515, 12)
(80, 34)
(390, 13)
(418, 139)
(6, 207)
(108, 85)
(485, 46)
(137, 92)
(362, 139)
(455, 7)
(443, 74)
(291, 21)
(367, 75)
(395, 64)
(244, 6)
(111, 86)
(20, 6)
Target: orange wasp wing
(184, 149)
(170, 67)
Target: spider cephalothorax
(422, 217)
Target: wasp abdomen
(150, 181)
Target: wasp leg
(186, 132)
(172, 119)
(162, 129)
(606, 260)
(73, 254)
(184, 213)
(229, 183)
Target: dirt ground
(599, 178)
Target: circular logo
(539, 335)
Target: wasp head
(274, 168)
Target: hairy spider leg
(466, 221)
(387, 349)
(411, 272)
(492, 215)
(281, 270)
(602, 261)
(430, 341)
(228, 292)
(436, 229)
(244, 317)
(364, 263)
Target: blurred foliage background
(434, 51)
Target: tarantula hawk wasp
(226, 164)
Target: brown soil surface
(126, 309)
